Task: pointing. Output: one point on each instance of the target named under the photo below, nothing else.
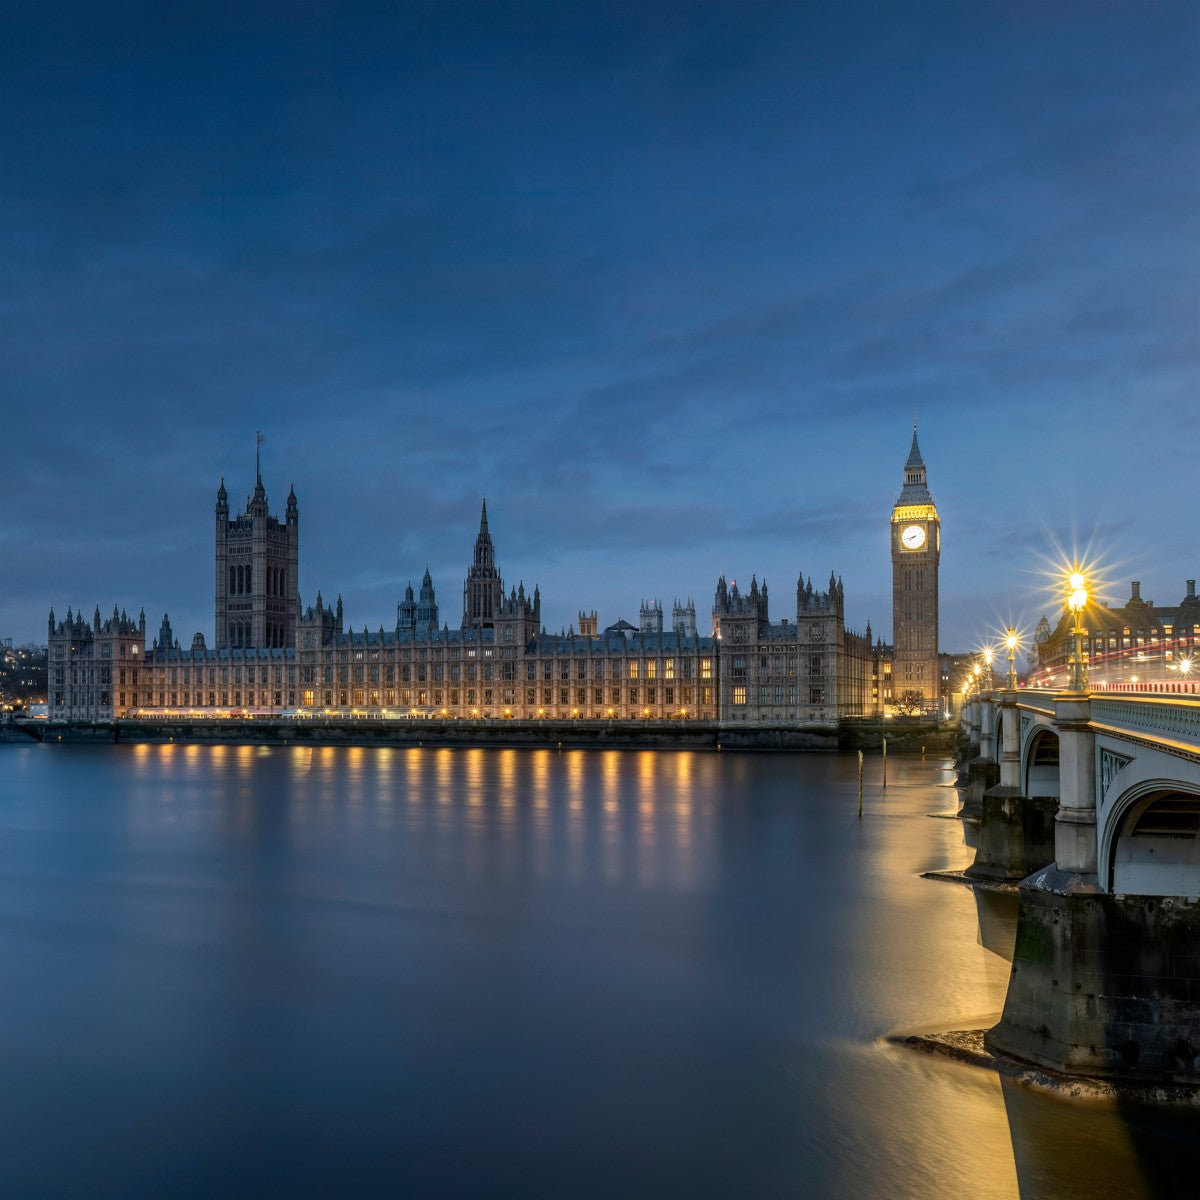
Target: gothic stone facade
(270, 654)
(95, 670)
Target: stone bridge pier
(982, 771)
(1016, 831)
(1106, 969)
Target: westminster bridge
(1092, 801)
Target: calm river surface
(249, 971)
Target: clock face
(913, 537)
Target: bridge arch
(1150, 841)
(1039, 763)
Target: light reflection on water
(328, 971)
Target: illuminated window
(633, 671)
(739, 695)
(652, 669)
(706, 668)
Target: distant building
(95, 669)
(1138, 642)
(499, 662)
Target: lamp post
(1077, 598)
(987, 662)
(1010, 640)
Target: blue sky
(666, 283)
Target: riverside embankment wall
(691, 735)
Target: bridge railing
(1175, 719)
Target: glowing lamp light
(1077, 598)
(1011, 642)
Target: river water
(250, 971)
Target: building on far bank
(1137, 642)
(95, 669)
(270, 653)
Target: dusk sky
(665, 283)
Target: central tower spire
(484, 588)
(485, 552)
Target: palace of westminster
(272, 654)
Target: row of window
(241, 580)
(776, 664)
(777, 694)
(241, 634)
(452, 698)
(567, 668)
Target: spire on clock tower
(916, 488)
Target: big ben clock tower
(916, 548)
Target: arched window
(249, 585)
(232, 580)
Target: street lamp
(1010, 640)
(1077, 598)
(987, 661)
